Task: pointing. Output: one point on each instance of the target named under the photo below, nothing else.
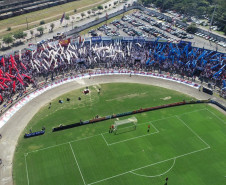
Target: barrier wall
(60, 128)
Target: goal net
(125, 124)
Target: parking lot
(145, 24)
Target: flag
(1, 97)
(3, 61)
(62, 18)
(224, 83)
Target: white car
(190, 37)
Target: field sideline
(189, 134)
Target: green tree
(67, 17)
(83, 14)
(31, 32)
(75, 10)
(100, 7)
(40, 30)
(19, 35)
(224, 30)
(192, 28)
(8, 39)
(9, 29)
(52, 25)
(42, 22)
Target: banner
(65, 42)
(96, 39)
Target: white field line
(217, 116)
(132, 138)
(105, 140)
(77, 164)
(155, 128)
(174, 160)
(64, 143)
(193, 131)
(179, 156)
(107, 132)
(25, 156)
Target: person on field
(112, 128)
(148, 128)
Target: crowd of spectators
(19, 72)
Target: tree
(192, 28)
(42, 22)
(224, 30)
(8, 29)
(94, 10)
(106, 7)
(116, 2)
(19, 35)
(52, 25)
(40, 30)
(89, 12)
(75, 10)
(8, 39)
(31, 32)
(83, 14)
(67, 17)
(100, 7)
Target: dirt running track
(12, 130)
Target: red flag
(1, 72)
(20, 80)
(1, 97)
(9, 75)
(23, 65)
(14, 86)
(5, 85)
(10, 69)
(27, 76)
(3, 61)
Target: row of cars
(164, 26)
(207, 37)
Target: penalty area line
(174, 161)
(173, 158)
(25, 156)
(216, 116)
(77, 164)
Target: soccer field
(185, 144)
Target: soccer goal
(124, 125)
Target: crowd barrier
(64, 127)
(33, 134)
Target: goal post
(124, 123)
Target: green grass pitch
(185, 144)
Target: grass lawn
(53, 13)
(185, 143)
